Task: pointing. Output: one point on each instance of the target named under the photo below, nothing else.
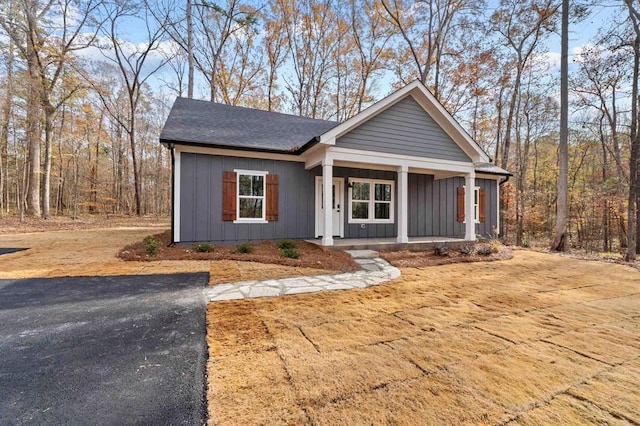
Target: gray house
(399, 169)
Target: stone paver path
(375, 270)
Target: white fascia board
(489, 176)
(314, 156)
(238, 153)
(177, 175)
(397, 160)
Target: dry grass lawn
(59, 248)
(539, 339)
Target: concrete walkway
(375, 270)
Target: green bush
(291, 253)
(287, 244)
(244, 248)
(203, 248)
(151, 245)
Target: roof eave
(165, 141)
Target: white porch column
(469, 195)
(327, 194)
(403, 204)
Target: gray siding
(433, 206)
(405, 128)
(201, 200)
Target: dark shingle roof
(207, 123)
(491, 168)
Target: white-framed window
(476, 204)
(371, 201)
(251, 201)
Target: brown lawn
(538, 339)
(90, 246)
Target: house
(398, 169)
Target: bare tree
(634, 191)
(560, 242)
(137, 63)
(522, 26)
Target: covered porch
(338, 166)
(388, 243)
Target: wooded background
(85, 87)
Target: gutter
(503, 181)
(173, 190)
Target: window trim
(372, 202)
(241, 172)
(476, 205)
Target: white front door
(337, 207)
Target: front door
(336, 207)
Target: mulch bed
(428, 257)
(311, 255)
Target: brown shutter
(272, 197)
(460, 212)
(229, 195)
(481, 205)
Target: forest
(85, 87)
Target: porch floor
(387, 243)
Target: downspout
(503, 181)
(173, 191)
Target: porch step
(362, 254)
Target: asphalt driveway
(103, 350)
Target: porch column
(470, 222)
(403, 204)
(327, 194)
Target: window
(371, 201)
(251, 196)
(478, 205)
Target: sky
(581, 34)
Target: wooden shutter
(481, 205)
(272, 197)
(229, 195)
(460, 211)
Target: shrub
(203, 248)
(151, 245)
(495, 246)
(441, 250)
(291, 253)
(484, 249)
(287, 244)
(244, 248)
(466, 249)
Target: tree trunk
(49, 111)
(33, 141)
(190, 50)
(4, 133)
(560, 242)
(136, 172)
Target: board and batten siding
(433, 206)
(405, 128)
(201, 200)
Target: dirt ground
(64, 247)
(538, 339)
